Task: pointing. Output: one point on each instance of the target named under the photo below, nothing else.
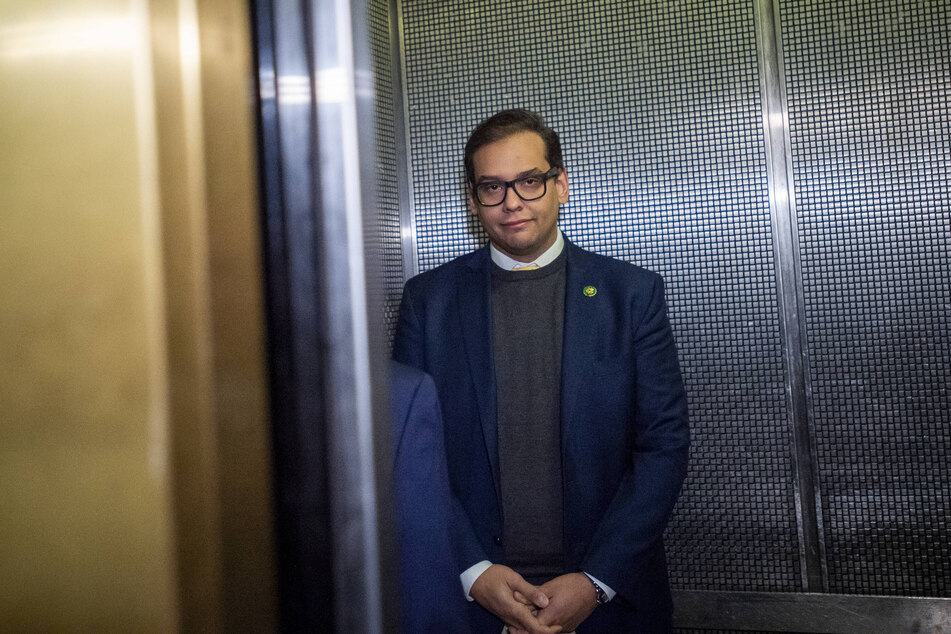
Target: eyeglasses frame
(551, 173)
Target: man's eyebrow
(498, 179)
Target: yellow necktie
(527, 267)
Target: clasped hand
(557, 606)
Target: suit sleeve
(409, 347)
(431, 601)
(626, 544)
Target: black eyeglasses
(533, 187)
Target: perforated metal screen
(658, 107)
(868, 86)
(387, 188)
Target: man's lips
(516, 224)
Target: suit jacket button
(497, 540)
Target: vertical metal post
(286, 156)
(789, 288)
(340, 240)
(404, 163)
(372, 322)
(331, 437)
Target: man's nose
(511, 200)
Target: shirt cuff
(471, 574)
(607, 589)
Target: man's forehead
(516, 153)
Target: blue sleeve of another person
(431, 598)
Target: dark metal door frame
(330, 441)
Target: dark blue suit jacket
(623, 416)
(431, 597)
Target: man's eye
(531, 181)
(490, 187)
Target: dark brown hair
(505, 124)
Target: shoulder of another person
(404, 377)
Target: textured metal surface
(782, 202)
(868, 87)
(660, 116)
(403, 147)
(681, 630)
(810, 612)
(720, 630)
(388, 159)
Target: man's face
(521, 229)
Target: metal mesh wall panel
(868, 87)
(658, 107)
(387, 193)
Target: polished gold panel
(134, 448)
(214, 290)
(85, 525)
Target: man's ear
(470, 199)
(561, 184)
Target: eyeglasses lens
(528, 188)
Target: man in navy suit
(565, 413)
(430, 601)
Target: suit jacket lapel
(475, 314)
(581, 320)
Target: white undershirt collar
(505, 262)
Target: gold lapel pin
(589, 291)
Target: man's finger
(536, 628)
(529, 624)
(521, 598)
(526, 593)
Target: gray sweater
(527, 327)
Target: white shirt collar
(546, 258)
